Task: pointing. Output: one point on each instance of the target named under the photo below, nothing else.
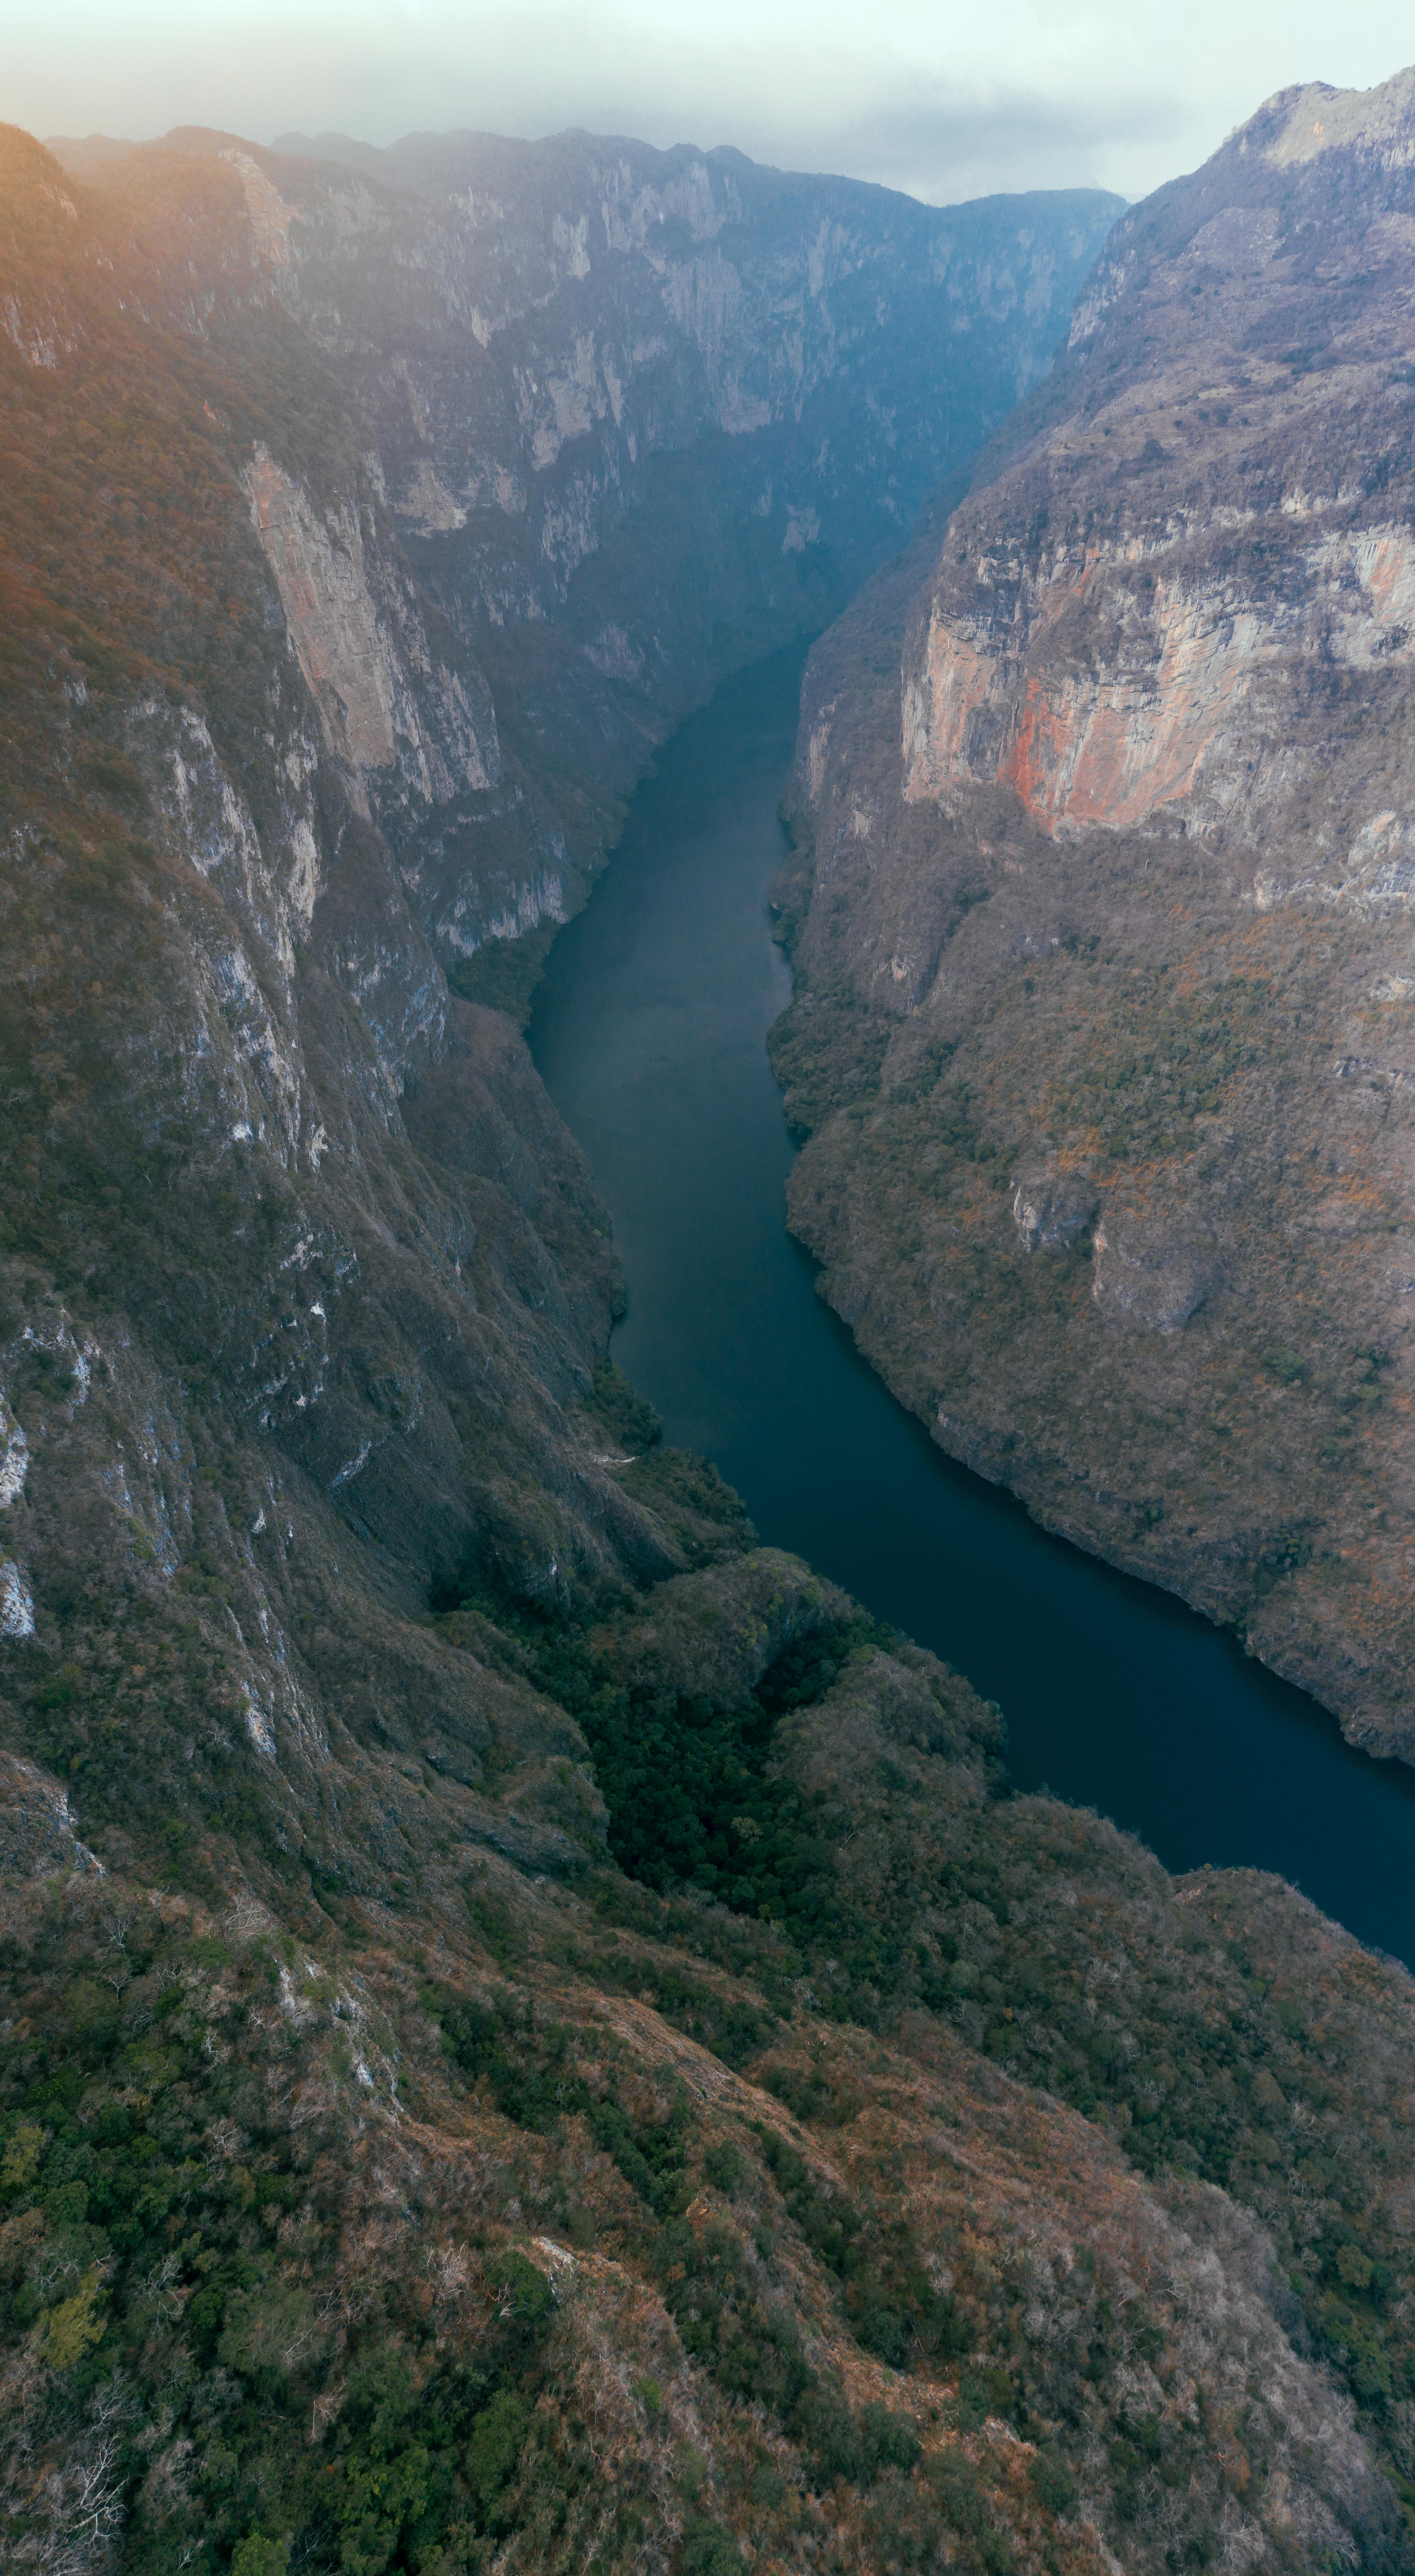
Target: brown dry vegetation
(536, 2223)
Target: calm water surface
(650, 1032)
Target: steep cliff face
(259, 778)
(371, 675)
(300, 1268)
(1116, 877)
(533, 2033)
(633, 416)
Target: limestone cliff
(366, 689)
(283, 746)
(633, 417)
(1119, 870)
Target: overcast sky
(946, 98)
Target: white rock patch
(16, 1601)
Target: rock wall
(1117, 871)
(300, 1271)
(1106, 682)
(339, 460)
(367, 694)
(631, 418)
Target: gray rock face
(37, 1838)
(1144, 1278)
(1050, 1210)
(384, 703)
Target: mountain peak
(1299, 125)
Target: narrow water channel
(650, 1032)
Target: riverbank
(650, 1033)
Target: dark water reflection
(649, 1032)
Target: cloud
(387, 70)
(930, 140)
(940, 97)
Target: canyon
(1101, 919)
(535, 2031)
(534, 341)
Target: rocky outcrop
(1120, 863)
(1050, 1210)
(37, 1838)
(1148, 1275)
(1099, 697)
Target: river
(649, 1030)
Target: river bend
(649, 1031)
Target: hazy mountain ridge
(1153, 673)
(532, 2031)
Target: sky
(944, 98)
